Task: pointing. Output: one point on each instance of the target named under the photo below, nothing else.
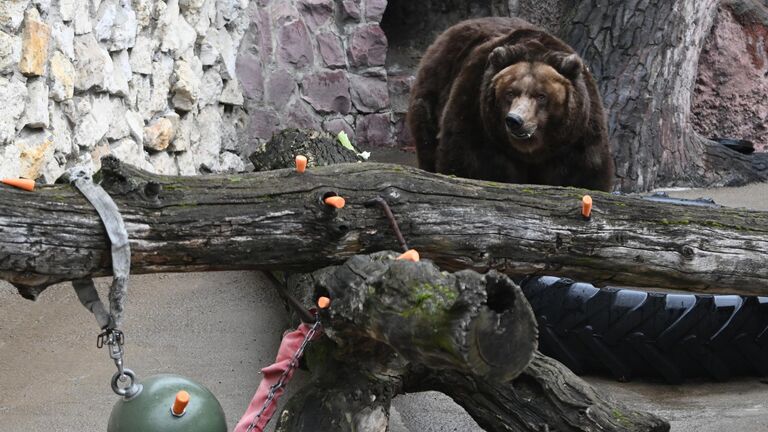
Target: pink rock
(284, 12)
(399, 91)
(350, 10)
(369, 93)
(374, 130)
(327, 91)
(331, 50)
(263, 123)
(336, 125)
(402, 133)
(263, 22)
(249, 72)
(374, 10)
(367, 46)
(280, 87)
(294, 46)
(301, 115)
(316, 12)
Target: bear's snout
(514, 121)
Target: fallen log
(276, 220)
(397, 326)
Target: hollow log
(398, 326)
(276, 220)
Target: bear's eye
(541, 97)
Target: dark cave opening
(411, 26)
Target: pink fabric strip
(270, 375)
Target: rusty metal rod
(381, 202)
(304, 314)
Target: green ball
(150, 410)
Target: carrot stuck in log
(335, 201)
(25, 184)
(410, 255)
(323, 302)
(586, 206)
(301, 163)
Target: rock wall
(195, 86)
(153, 82)
(318, 64)
(732, 86)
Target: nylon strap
(121, 254)
(89, 297)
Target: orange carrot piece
(335, 201)
(26, 184)
(410, 255)
(586, 206)
(301, 164)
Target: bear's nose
(514, 121)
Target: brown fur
(480, 70)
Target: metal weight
(151, 409)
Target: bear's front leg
(423, 127)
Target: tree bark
(645, 55)
(398, 326)
(276, 221)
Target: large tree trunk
(645, 57)
(276, 220)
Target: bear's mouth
(522, 134)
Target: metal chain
(281, 382)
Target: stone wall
(194, 86)
(153, 82)
(318, 64)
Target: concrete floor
(221, 328)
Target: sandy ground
(221, 328)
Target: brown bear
(499, 99)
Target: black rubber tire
(629, 333)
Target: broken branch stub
(472, 323)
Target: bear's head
(535, 98)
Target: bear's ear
(570, 66)
(504, 56)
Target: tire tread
(630, 333)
